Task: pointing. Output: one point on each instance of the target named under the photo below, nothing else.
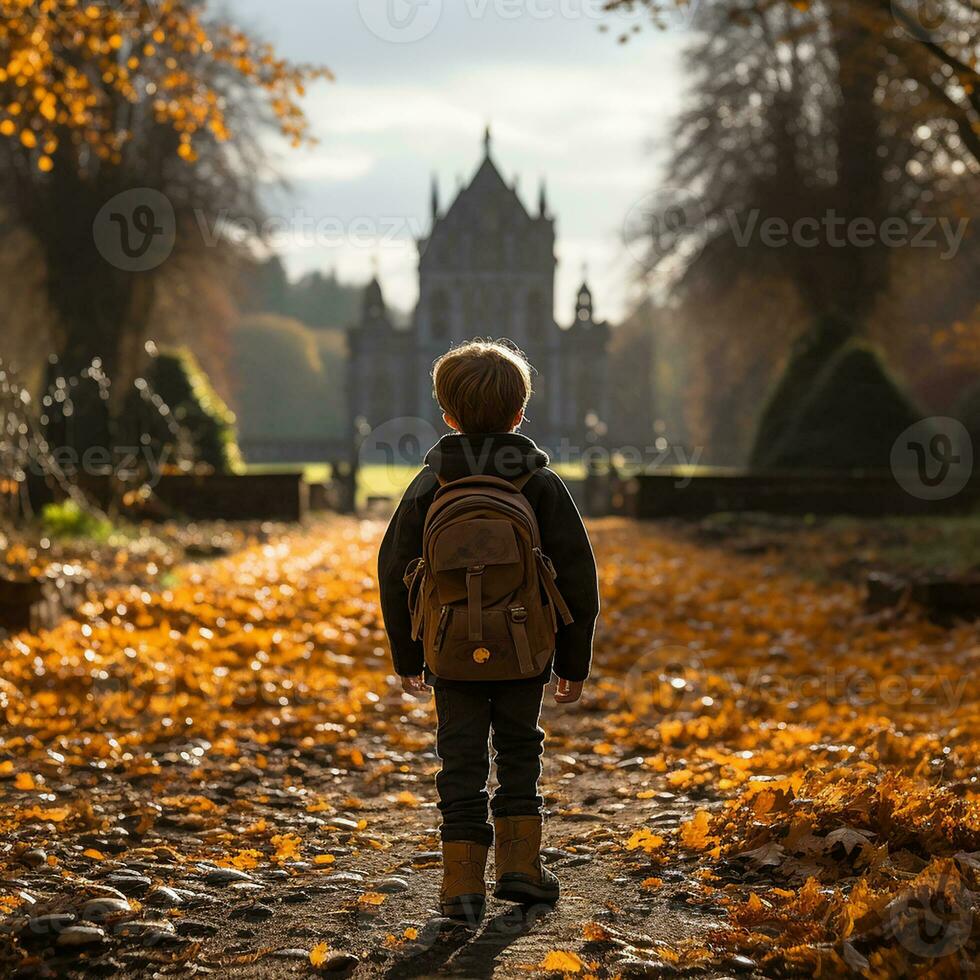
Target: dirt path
(319, 810)
(221, 778)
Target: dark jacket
(563, 539)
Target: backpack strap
(548, 576)
(474, 601)
(416, 582)
(485, 479)
(518, 617)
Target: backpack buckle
(518, 614)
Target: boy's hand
(568, 692)
(415, 686)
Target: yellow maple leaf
(319, 954)
(372, 898)
(560, 961)
(411, 933)
(244, 860)
(91, 852)
(651, 883)
(24, 781)
(694, 832)
(324, 859)
(287, 847)
(646, 839)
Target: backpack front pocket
(483, 549)
(503, 652)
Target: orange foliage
(71, 68)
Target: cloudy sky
(417, 81)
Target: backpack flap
(478, 561)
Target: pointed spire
(487, 139)
(373, 301)
(543, 200)
(583, 302)
(435, 198)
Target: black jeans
(469, 714)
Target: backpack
(483, 596)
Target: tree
(794, 118)
(130, 97)
(289, 380)
(797, 113)
(933, 49)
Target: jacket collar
(505, 454)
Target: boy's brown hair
(482, 385)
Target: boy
(483, 389)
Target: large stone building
(486, 269)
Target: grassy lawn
(376, 480)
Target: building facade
(486, 269)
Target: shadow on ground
(463, 952)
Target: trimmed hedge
(847, 418)
(810, 356)
(207, 426)
(289, 380)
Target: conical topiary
(811, 354)
(849, 419)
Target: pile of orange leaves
(830, 756)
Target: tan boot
(520, 877)
(464, 887)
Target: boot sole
(521, 890)
(465, 908)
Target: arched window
(535, 314)
(441, 327)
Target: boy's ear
(451, 422)
(518, 419)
